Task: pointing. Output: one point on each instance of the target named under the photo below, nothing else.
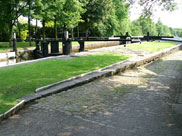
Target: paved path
(138, 102)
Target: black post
(82, 45)
(54, 47)
(67, 44)
(37, 40)
(45, 50)
(127, 34)
(148, 36)
(67, 47)
(14, 44)
(127, 38)
(121, 42)
(37, 44)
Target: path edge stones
(12, 111)
(87, 77)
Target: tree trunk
(29, 21)
(55, 28)
(78, 31)
(29, 30)
(72, 34)
(10, 34)
(43, 24)
(36, 25)
(87, 33)
(19, 31)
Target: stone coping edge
(87, 77)
(12, 111)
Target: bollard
(82, 45)
(67, 44)
(67, 47)
(54, 47)
(45, 51)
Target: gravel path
(138, 102)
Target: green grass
(152, 46)
(4, 46)
(18, 81)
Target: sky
(171, 19)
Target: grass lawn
(18, 81)
(152, 46)
(4, 46)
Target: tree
(147, 25)
(70, 14)
(118, 21)
(163, 29)
(66, 13)
(11, 10)
(44, 10)
(96, 11)
(149, 5)
(21, 28)
(136, 30)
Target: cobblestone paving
(137, 102)
(87, 100)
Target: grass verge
(18, 81)
(4, 46)
(152, 46)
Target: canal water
(13, 61)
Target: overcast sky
(172, 19)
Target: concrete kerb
(13, 110)
(87, 77)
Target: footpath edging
(88, 77)
(13, 110)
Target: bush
(24, 35)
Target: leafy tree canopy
(149, 5)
